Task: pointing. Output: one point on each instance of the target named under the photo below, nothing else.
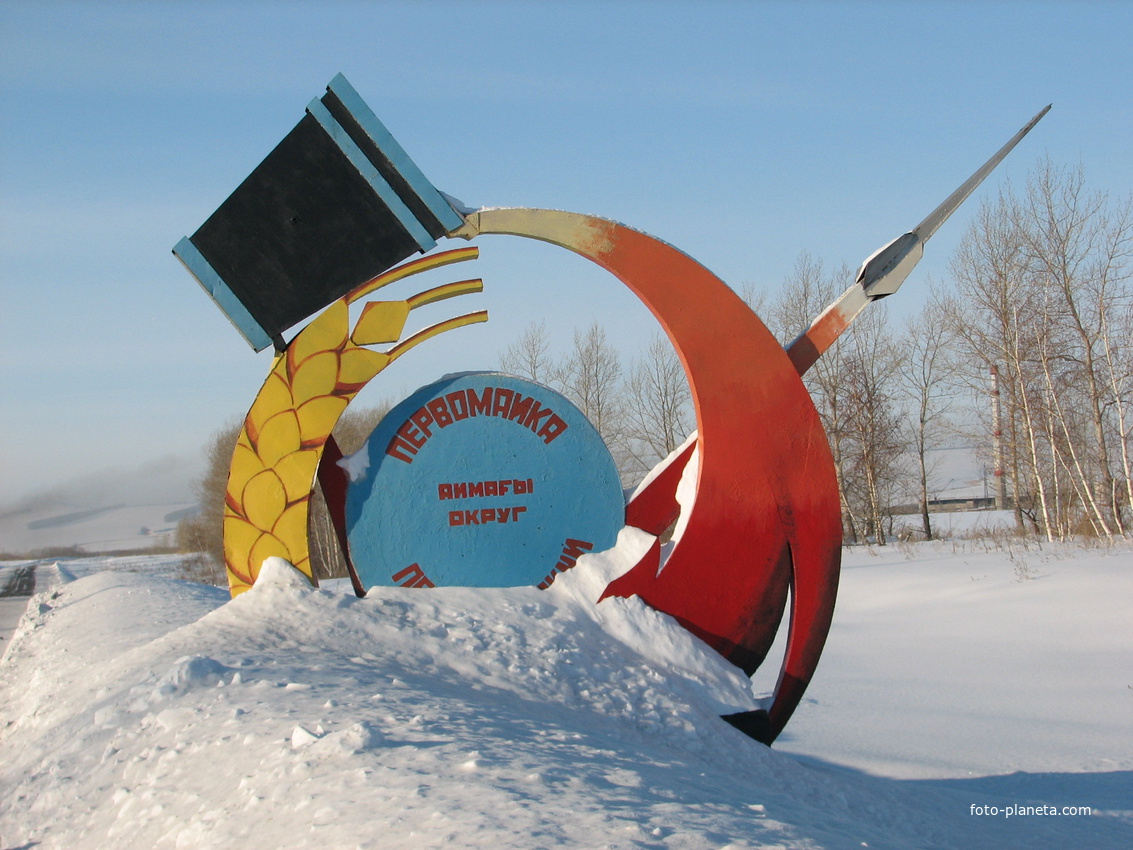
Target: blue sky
(743, 133)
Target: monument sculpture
(484, 479)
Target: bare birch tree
(1079, 250)
(658, 412)
(993, 318)
(1044, 293)
(872, 437)
(591, 378)
(925, 370)
(530, 355)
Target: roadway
(17, 583)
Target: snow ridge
(139, 711)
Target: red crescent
(766, 519)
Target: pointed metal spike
(939, 215)
(886, 269)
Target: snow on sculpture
(322, 223)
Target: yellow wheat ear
(309, 386)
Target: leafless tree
(204, 531)
(872, 436)
(994, 318)
(1079, 249)
(530, 356)
(755, 297)
(923, 384)
(591, 378)
(805, 293)
(1043, 294)
(657, 403)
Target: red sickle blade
(654, 507)
(766, 506)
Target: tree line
(1025, 357)
(1042, 317)
(642, 411)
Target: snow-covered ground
(106, 528)
(141, 711)
(957, 524)
(115, 509)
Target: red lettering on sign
(400, 449)
(503, 401)
(439, 409)
(413, 576)
(552, 429)
(458, 404)
(422, 418)
(483, 516)
(408, 431)
(519, 408)
(481, 489)
(493, 401)
(532, 420)
(480, 406)
(572, 549)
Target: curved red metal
(654, 507)
(765, 522)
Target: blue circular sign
(481, 480)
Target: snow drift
(141, 711)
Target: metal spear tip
(886, 269)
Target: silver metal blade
(887, 268)
(939, 215)
(883, 273)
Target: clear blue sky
(743, 133)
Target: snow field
(140, 711)
(970, 660)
